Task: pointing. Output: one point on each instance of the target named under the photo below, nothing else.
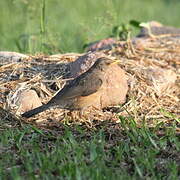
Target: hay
(152, 68)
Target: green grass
(52, 26)
(105, 153)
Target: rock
(83, 63)
(101, 45)
(160, 79)
(7, 57)
(116, 87)
(28, 100)
(157, 28)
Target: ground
(142, 143)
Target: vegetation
(77, 153)
(53, 26)
(108, 150)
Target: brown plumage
(80, 93)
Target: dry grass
(152, 67)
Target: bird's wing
(92, 86)
(81, 87)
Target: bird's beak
(115, 61)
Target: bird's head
(103, 63)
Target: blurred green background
(53, 26)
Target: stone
(28, 100)
(160, 78)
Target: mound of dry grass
(152, 66)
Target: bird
(80, 93)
